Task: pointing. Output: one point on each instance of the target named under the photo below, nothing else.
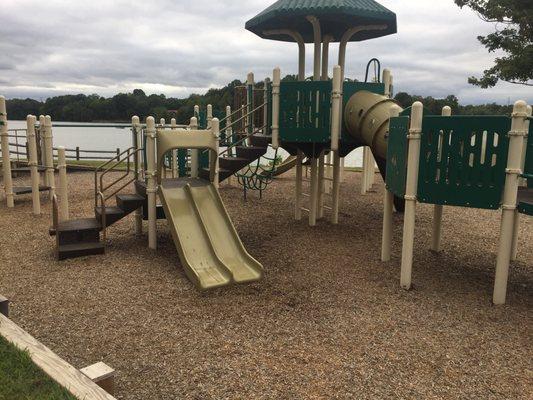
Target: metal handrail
(55, 222)
(103, 221)
(241, 140)
(100, 188)
(232, 114)
(246, 115)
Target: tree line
(121, 107)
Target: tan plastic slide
(209, 247)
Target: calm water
(94, 137)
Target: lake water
(95, 137)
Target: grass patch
(21, 379)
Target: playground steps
(19, 190)
(81, 237)
(525, 200)
(244, 156)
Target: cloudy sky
(178, 47)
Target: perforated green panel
(397, 155)
(305, 109)
(463, 160)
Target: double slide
(209, 247)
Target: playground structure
(467, 161)
(442, 160)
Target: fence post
(437, 209)
(415, 133)
(63, 184)
(209, 115)
(229, 140)
(249, 102)
(151, 190)
(49, 155)
(6, 159)
(77, 153)
(32, 163)
(516, 141)
(194, 152)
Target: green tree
(513, 36)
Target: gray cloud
(179, 47)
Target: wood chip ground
(328, 321)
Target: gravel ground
(329, 320)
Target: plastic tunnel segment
(222, 234)
(199, 261)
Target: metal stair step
(129, 202)
(113, 214)
(79, 250)
(18, 190)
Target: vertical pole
(314, 192)
(229, 140)
(32, 149)
(516, 141)
(266, 126)
(320, 199)
(438, 209)
(174, 152)
(299, 184)
(63, 184)
(514, 251)
(276, 83)
(162, 124)
(138, 142)
(317, 34)
(250, 102)
(341, 176)
(325, 56)
(42, 134)
(151, 190)
(194, 152)
(209, 117)
(213, 156)
(49, 155)
(336, 187)
(388, 208)
(364, 172)
(413, 156)
(6, 160)
(77, 153)
(387, 82)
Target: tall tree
(513, 35)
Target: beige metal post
(387, 81)
(194, 152)
(299, 184)
(229, 134)
(516, 142)
(42, 134)
(437, 209)
(151, 189)
(265, 107)
(313, 200)
(276, 82)
(336, 104)
(364, 172)
(336, 187)
(209, 116)
(137, 132)
(341, 169)
(317, 35)
(174, 152)
(162, 124)
(213, 158)
(249, 101)
(514, 251)
(388, 208)
(32, 163)
(320, 199)
(6, 160)
(413, 156)
(63, 184)
(48, 140)
(325, 56)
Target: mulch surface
(329, 320)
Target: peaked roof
(335, 16)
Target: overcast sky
(178, 47)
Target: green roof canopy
(336, 17)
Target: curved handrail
(103, 221)
(378, 75)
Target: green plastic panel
(396, 173)
(463, 160)
(349, 89)
(528, 167)
(305, 109)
